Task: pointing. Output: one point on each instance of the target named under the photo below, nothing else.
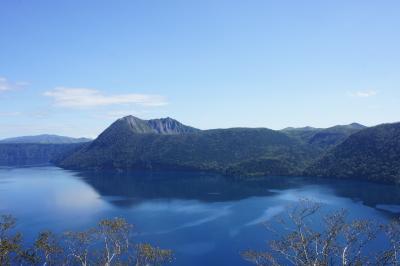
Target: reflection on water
(206, 218)
(126, 189)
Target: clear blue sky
(73, 67)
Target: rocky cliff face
(170, 126)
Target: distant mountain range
(37, 150)
(45, 139)
(346, 151)
(33, 154)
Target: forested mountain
(44, 139)
(131, 143)
(165, 144)
(372, 153)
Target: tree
(391, 256)
(10, 243)
(78, 246)
(47, 249)
(109, 243)
(115, 234)
(331, 241)
(149, 255)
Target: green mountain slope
(372, 153)
(323, 138)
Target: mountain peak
(165, 125)
(357, 125)
(306, 128)
(130, 125)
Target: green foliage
(264, 167)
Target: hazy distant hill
(23, 154)
(132, 143)
(37, 150)
(372, 153)
(45, 139)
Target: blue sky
(73, 67)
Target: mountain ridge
(215, 149)
(133, 143)
(44, 139)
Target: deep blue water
(205, 218)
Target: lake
(207, 219)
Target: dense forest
(132, 143)
(373, 153)
(349, 151)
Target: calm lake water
(205, 218)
